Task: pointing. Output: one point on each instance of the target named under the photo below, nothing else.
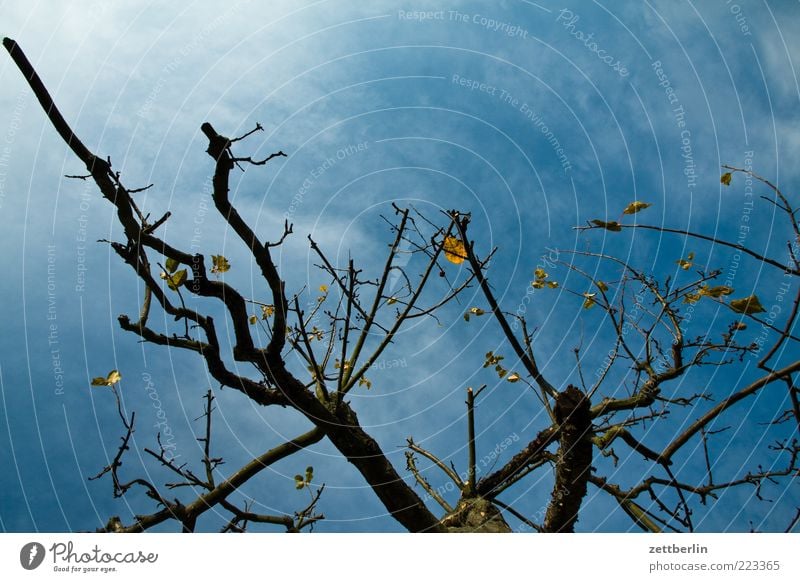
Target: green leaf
(175, 280)
(172, 265)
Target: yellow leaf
(267, 311)
(477, 311)
(739, 326)
(590, 302)
(364, 382)
(747, 305)
(113, 377)
(726, 178)
(323, 288)
(219, 264)
(611, 225)
(602, 286)
(391, 301)
(692, 298)
(253, 320)
(635, 207)
(492, 359)
(454, 250)
(686, 263)
(338, 365)
(540, 282)
(513, 377)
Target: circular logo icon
(31, 555)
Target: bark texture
(573, 413)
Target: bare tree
(354, 323)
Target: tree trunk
(574, 460)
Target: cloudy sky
(533, 116)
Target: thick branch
(495, 482)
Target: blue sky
(504, 110)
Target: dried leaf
(635, 207)
(611, 225)
(219, 264)
(686, 263)
(589, 302)
(726, 178)
(717, 291)
(513, 377)
(747, 305)
(692, 298)
(492, 359)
